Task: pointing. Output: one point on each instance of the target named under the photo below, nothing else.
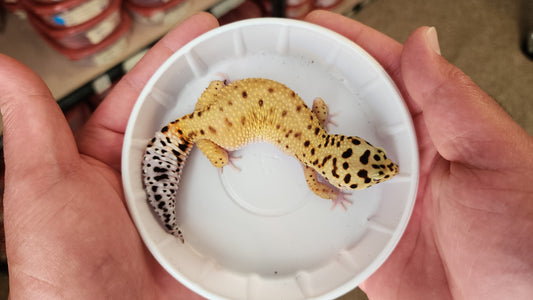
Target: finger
(37, 138)
(103, 135)
(464, 123)
(384, 49)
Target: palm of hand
(472, 218)
(68, 234)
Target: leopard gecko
(229, 116)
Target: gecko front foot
(231, 162)
(342, 200)
(329, 121)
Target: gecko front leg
(322, 189)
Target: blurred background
(81, 48)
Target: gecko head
(381, 167)
(361, 165)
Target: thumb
(37, 139)
(464, 123)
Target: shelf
(71, 81)
(63, 76)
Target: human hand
(470, 233)
(68, 232)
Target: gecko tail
(161, 167)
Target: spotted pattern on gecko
(228, 117)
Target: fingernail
(433, 40)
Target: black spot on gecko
(202, 132)
(270, 90)
(183, 147)
(353, 186)
(347, 153)
(347, 178)
(313, 151)
(377, 157)
(158, 197)
(356, 142)
(164, 129)
(161, 177)
(199, 114)
(260, 102)
(244, 94)
(306, 143)
(161, 204)
(160, 170)
(364, 158)
(297, 135)
(298, 108)
(364, 174)
(317, 130)
(325, 160)
(288, 133)
(334, 171)
(345, 166)
(228, 122)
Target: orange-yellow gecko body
(228, 117)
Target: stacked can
(327, 4)
(12, 6)
(157, 12)
(92, 31)
(298, 9)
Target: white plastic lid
(261, 233)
